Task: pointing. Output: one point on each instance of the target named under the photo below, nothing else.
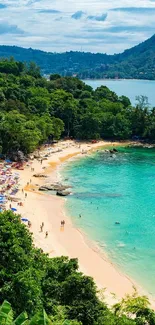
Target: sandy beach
(69, 241)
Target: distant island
(135, 63)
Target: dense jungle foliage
(135, 63)
(32, 282)
(34, 110)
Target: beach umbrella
(8, 161)
(13, 209)
(24, 219)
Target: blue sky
(106, 26)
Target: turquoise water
(129, 88)
(120, 188)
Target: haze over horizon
(87, 25)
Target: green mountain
(137, 62)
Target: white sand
(39, 207)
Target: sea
(129, 88)
(115, 196)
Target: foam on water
(117, 189)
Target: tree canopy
(34, 110)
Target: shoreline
(72, 242)
(116, 79)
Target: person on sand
(22, 190)
(41, 227)
(62, 223)
(46, 234)
(29, 224)
(25, 195)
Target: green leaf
(6, 314)
(22, 319)
(40, 318)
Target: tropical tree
(137, 308)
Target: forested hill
(68, 63)
(34, 110)
(137, 62)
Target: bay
(120, 189)
(129, 88)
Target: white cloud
(48, 24)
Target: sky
(106, 26)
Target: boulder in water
(115, 150)
(40, 175)
(63, 193)
(54, 187)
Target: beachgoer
(46, 234)
(41, 228)
(29, 224)
(22, 190)
(79, 215)
(42, 224)
(27, 183)
(10, 205)
(25, 195)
